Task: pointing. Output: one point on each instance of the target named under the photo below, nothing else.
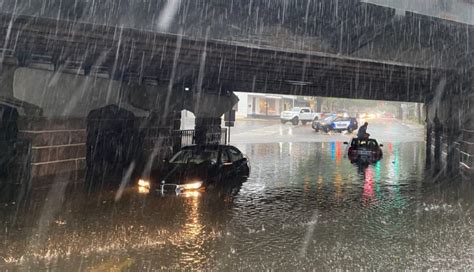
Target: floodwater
(305, 206)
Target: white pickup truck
(297, 114)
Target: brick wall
(58, 146)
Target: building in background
(266, 105)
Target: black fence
(188, 137)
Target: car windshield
(296, 110)
(330, 118)
(366, 144)
(194, 156)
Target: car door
(226, 163)
(342, 123)
(305, 114)
(238, 160)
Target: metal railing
(188, 137)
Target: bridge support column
(7, 74)
(208, 130)
(429, 138)
(452, 136)
(114, 144)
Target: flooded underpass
(105, 104)
(305, 205)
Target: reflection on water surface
(312, 208)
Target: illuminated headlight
(143, 183)
(191, 186)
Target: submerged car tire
(246, 172)
(283, 121)
(295, 121)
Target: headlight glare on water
(191, 186)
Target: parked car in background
(299, 114)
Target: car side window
(235, 155)
(355, 143)
(224, 156)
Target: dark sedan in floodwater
(364, 150)
(195, 168)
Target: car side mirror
(346, 143)
(381, 145)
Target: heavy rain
(223, 135)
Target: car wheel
(295, 121)
(349, 130)
(316, 129)
(326, 130)
(283, 121)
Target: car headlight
(143, 183)
(191, 186)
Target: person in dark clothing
(362, 134)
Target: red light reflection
(369, 185)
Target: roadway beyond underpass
(270, 131)
(304, 205)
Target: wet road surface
(305, 206)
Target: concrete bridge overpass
(139, 57)
(73, 88)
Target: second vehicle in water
(335, 123)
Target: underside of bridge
(77, 94)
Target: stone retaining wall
(58, 146)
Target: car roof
(206, 147)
